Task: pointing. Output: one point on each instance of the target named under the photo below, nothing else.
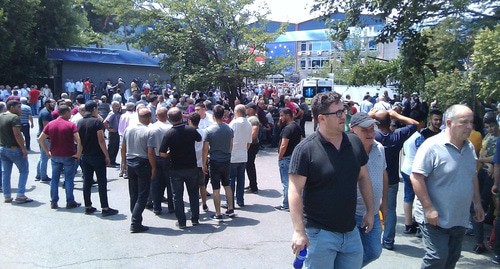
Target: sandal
(23, 199)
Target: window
(302, 64)
(303, 46)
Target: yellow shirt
(476, 139)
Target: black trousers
(97, 164)
(25, 129)
(139, 182)
(250, 166)
(113, 146)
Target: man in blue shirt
(393, 143)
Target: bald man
(445, 182)
(140, 165)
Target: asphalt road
(35, 236)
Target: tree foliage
(437, 42)
(27, 28)
(486, 63)
(204, 43)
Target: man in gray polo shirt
(445, 182)
(140, 165)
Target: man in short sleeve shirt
(445, 182)
(325, 170)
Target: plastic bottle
(299, 260)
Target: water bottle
(299, 260)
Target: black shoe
(410, 229)
(90, 210)
(241, 204)
(418, 233)
(72, 204)
(139, 229)
(208, 194)
(479, 249)
(45, 180)
(109, 212)
(388, 246)
(149, 205)
(252, 191)
(195, 222)
(282, 208)
(163, 199)
(230, 213)
(37, 178)
(216, 217)
(496, 259)
(180, 226)
(247, 187)
(205, 208)
(157, 211)
(54, 205)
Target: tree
(205, 43)
(28, 28)
(486, 63)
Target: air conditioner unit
(318, 52)
(308, 53)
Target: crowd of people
(349, 167)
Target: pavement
(35, 236)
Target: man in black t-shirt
(290, 137)
(178, 143)
(94, 159)
(436, 119)
(325, 170)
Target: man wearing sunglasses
(325, 170)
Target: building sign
(107, 56)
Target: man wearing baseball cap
(364, 127)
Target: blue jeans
(333, 250)
(442, 246)
(34, 108)
(41, 168)
(391, 219)
(371, 241)
(10, 156)
(237, 179)
(409, 193)
(86, 95)
(284, 164)
(58, 164)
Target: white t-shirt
(198, 147)
(207, 121)
(242, 137)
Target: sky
(292, 11)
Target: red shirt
(34, 94)
(292, 107)
(86, 86)
(61, 132)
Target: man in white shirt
(241, 142)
